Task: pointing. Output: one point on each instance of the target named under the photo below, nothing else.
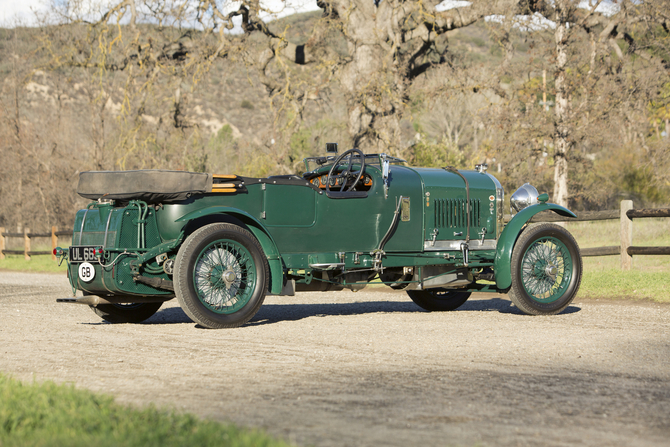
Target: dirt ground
(366, 368)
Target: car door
(354, 223)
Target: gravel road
(366, 368)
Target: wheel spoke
(545, 269)
(224, 276)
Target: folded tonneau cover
(151, 186)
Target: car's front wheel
(546, 270)
(221, 276)
(439, 300)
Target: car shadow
(275, 313)
(170, 315)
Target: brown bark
(562, 141)
(389, 44)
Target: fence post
(54, 242)
(26, 244)
(626, 235)
(2, 243)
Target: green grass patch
(603, 277)
(635, 284)
(41, 263)
(47, 414)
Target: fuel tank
(118, 235)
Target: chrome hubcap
(551, 271)
(229, 278)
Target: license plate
(83, 253)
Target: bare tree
(607, 32)
(32, 170)
(605, 65)
(164, 48)
(389, 45)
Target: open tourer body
(221, 243)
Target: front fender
(503, 260)
(258, 230)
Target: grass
(646, 232)
(635, 284)
(47, 414)
(41, 263)
(603, 277)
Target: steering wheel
(347, 173)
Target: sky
(11, 10)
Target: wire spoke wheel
(221, 276)
(546, 270)
(225, 276)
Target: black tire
(546, 270)
(221, 276)
(126, 313)
(439, 300)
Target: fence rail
(582, 216)
(625, 214)
(27, 237)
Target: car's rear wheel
(221, 276)
(546, 270)
(126, 313)
(439, 300)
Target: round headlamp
(523, 197)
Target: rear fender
(258, 230)
(503, 260)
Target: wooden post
(626, 235)
(26, 244)
(54, 242)
(2, 243)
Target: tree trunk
(375, 75)
(374, 98)
(562, 143)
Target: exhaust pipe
(94, 300)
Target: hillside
(229, 93)
(57, 119)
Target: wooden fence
(625, 214)
(27, 237)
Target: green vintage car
(221, 243)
